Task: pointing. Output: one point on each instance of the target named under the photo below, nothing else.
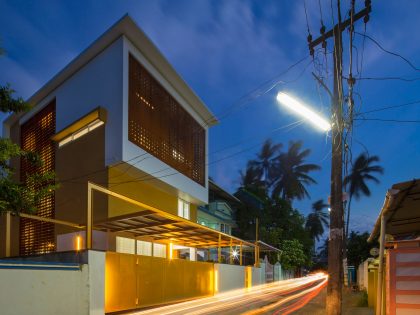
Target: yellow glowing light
(78, 242)
(216, 281)
(171, 254)
(303, 110)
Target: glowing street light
(303, 110)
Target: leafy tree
(264, 163)
(356, 182)
(290, 174)
(358, 248)
(16, 196)
(292, 256)
(317, 220)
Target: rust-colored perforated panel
(35, 236)
(158, 124)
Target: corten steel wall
(36, 236)
(158, 124)
(133, 281)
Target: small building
(219, 213)
(394, 285)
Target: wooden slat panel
(160, 125)
(36, 236)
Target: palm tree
(356, 181)
(290, 173)
(317, 220)
(251, 177)
(265, 159)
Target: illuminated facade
(127, 139)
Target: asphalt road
(283, 297)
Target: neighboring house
(394, 277)
(219, 213)
(128, 140)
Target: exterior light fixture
(78, 242)
(303, 110)
(235, 254)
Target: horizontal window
(81, 132)
(125, 245)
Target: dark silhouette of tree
(356, 182)
(317, 220)
(290, 173)
(264, 163)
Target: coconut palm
(251, 177)
(356, 181)
(317, 220)
(290, 173)
(265, 159)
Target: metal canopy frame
(152, 223)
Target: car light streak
(231, 302)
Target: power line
(388, 120)
(390, 107)
(388, 51)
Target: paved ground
(350, 302)
(278, 298)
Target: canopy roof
(401, 210)
(158, 225)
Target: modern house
(394, 277)
(128, 141)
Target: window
(224, 228)
(158, 124)
(81, 132)
(183, 209)
(159, 250)
(144, 248)
(125, 245)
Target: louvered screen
(37, 237)
(162, 127)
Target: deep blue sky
(225, 50)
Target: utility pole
(335, 246)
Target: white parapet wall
(48, 288)
(230, 277)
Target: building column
(8, 233)
(240, 254)
(230, 253)
(219, 250)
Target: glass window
(144, 248)
(183, 209)
(125, 245)
(159, 250)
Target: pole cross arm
(341, 27)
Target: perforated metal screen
(162, 127)
(35, 236)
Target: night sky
(234, 54)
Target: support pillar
(8, 233)
(230, 253)
(89, 219)
(240, 254)
(219, 250)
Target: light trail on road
(273, 298)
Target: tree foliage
(358, 249)
(292, 256)
(356, 182)
(317, 220)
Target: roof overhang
(401, 210)
(128, 28)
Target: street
(283, 297)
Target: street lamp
(303, 110)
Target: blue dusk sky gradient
(227, 49)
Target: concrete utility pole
(335, 247)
